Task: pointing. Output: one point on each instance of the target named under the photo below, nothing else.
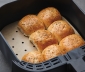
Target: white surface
(3, 2)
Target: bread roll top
(33, 57)
(51, 51)
(29, 24)
(49, 15)
(60, 29)
(71, 42)
(42, 38)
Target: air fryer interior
(12, 12)
(9, 26)
(17, 41)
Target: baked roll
(33, 57)
(49, 15)
(71, 42)
(60, 29)
(42, 38)
(29, 24)
(51, 51)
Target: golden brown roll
(71, 42)
(51, 51)
(29, 24)
(49, 15)
(60, 29)
(42, 38)
(33, 57)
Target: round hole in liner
(33, 46)
(16, 31)
(22, 42)
(12, 38)
(25, 50)
(16, 54)
(12, 46)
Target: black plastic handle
(55, 65)
(77, 65)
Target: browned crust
(33, 57)
(71, 42)
(51, 51)
(30, 23)
(42, 38)
(60, 29)
(49, 15)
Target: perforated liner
(17, 41)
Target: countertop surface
(4, 66)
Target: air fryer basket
(14, 11)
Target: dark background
(4, 67)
